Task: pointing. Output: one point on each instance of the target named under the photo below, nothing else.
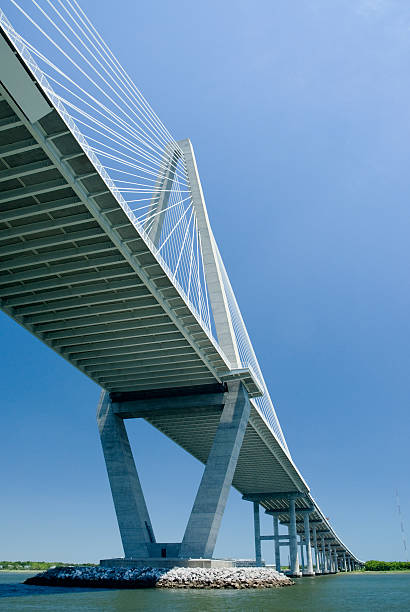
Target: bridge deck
(75, 272)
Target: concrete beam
(297, 512)
(270, 495)
(42, 272)
(131, 314)
(196, 372)
(68, 281)
(143, 407)
(25, 169)
(54, 297)
(9, 122)
(286, 511)
(95, 330)
(38, 209)
(179, 361)
(23, 192)
(51, 241)
(90, 308)
(21, 146)
(100, 336)
(156, 382)
(60, 254)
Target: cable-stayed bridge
(107, 255)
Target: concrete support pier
(302, 554)
(317, 568)
(330, 559)
(206, 516)
(293, 544)
(136, 530)
(276, 542)
(257, 534)
(309, 564)
(324, 554)
(132, 514)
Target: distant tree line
(35, 565)
(385, 566)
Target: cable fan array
(130, 146)
(248, 357)
(132, 150)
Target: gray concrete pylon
(317, 563)
(206, 516)
(344, 562)
(330, 558)
(293, 544)
(257, 533)
(325, 569)
(132, 514)
(276, 542)
(162, 190)
(302, 554)
(309, 564)
(213, 273)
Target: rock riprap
(178, 577)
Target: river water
(342, 592)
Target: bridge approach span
(83, 276)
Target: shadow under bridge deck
(76, 273)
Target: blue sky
(300, 117)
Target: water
(343, 592)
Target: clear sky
(299, 113)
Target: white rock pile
(178, 577)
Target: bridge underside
(76, 273)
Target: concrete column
(302, 555)
(350, 564)
(344, 562)
(276, 542)
(336, 562)
(309, 564)
(330, 559)
(132, 514)
(325, 568)
(206, 516)
(317, 562)
(293, 544)
(257, 530)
